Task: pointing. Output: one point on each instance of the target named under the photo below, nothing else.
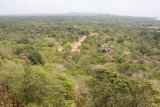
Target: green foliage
(23, 49)
(128, 69)
(118, 58)
(110, 89)
(143, 49)
(102, 60)
(143, 33)
(156, 36)
(34, 88)
(68, 88)
(50, 44)
(54, 100)
(36, 75)
(31, 86)
(1, 62)
(67, 45)
(35, 58)
(24, 40)
(83, 32)
(31, 105)
(120, 40)
(19, 50)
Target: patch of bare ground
(75, 45)
(139, 75)
(153, 29)
(156, 83)
(59, 48)
(22, 55)
(50, 39)
(94, 34)
(126, 53)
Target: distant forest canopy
(79, 61)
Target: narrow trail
(75, 45)
(78, 43)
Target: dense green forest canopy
(79, 61)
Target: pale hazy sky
(147, 8)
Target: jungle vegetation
(117, 64)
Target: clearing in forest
(59, 48)
(94, 34)
(76, 44)
(52, 39)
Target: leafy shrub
(120, 40)
(102, 60)
(19, 50)
(110, 89)
(50, 44)
(31, 105)
(118, 58)
(156, 36)
(1, 62)
(143, 49)
(35, 58)
(24, 40)
(83, 32)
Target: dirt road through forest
(78, 43)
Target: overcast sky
(146, 8)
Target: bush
(19, 50)
(50, 44)
(110, 89)
(118, 59)
(102, 60)
(1, 62)
(31, 105)
(36, 88)
(35, 58)
(120, 40)
(24, 40)
(156, 36)
(143, 50)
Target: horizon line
(75, 14)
